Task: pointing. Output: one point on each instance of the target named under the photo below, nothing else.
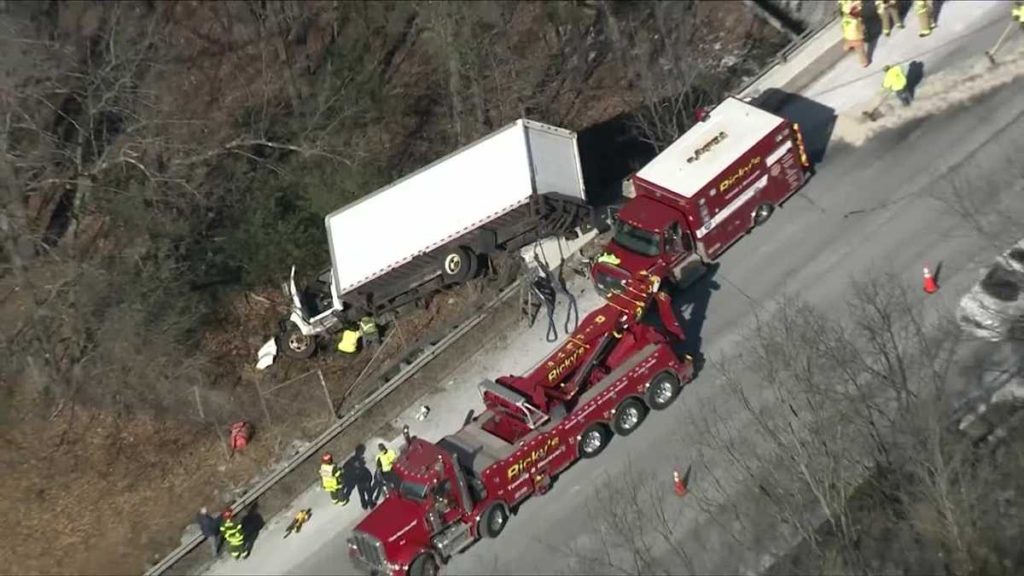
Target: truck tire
(493, 521)
(593, 440)
(662, 390)
(458, 265)
(295, 344)
(424, 565)
(629, 416)
(762, 213)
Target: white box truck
(437, 226)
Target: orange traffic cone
(930, 286)
(679, 484)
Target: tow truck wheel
(423, 565)
(662, 391)
(628, 416)
(763, 213)
(493, 521)
(593, 440)
(295, 344)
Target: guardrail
(783, 56)
(426, 355)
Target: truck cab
(647, 237)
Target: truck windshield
(635, 239)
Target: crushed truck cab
(600, 382)
(708, 189)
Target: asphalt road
(882, 206)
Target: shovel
(991, 54)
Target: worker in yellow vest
(853, 38)
(331, 479)
(889, 14)
(925, 16)
(369, 332)
(383, 479)
(896, 82)
(349, 342)
(1017, 12)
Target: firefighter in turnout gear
(383, 478)
(853, 38)
(349, 343)
(331, 479)
(925, 16)
(889, 14)
(850, 8)
(233, 535)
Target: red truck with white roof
(704, 192)
(601, 381)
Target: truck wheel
(493, 520)
(295, 344)
(593, 440)
(628, 416)
(423, 565)
(459, 265)
(662, 390)
(762, 213)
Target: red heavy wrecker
(715, 183)
(601, 381)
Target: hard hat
(227, 514)
(327, 458)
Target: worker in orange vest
(853, 38)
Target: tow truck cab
(703, 193)
(430, 514)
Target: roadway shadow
(610, 152)
(816, 120)
(252, 525)
(693, 301)
(915, 73)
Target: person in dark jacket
(210, 528)
(356, 469)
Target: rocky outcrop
(994, 308)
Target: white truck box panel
(450, 197)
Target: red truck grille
(367, 552)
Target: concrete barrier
(817, 52)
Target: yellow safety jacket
(1018, 12)
(367, 325)
(609, 258)
(349, 342)
(386, 460)
(232, 532)
(894, 79)
(853, 28)
(330, 477)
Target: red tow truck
(601, 381)
(704, 192)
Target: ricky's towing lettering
(537, 454)
(570, 353)
(740, 173)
